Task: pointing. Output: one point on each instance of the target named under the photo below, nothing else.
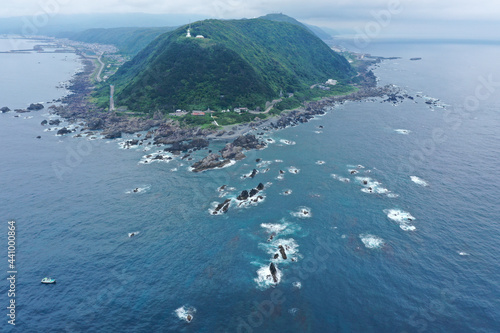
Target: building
(198, 113)
(199, 36)
(188, 33)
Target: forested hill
(238, 63)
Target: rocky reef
(232, 151)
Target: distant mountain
(128, 40)
(30, 25)
(237, 63)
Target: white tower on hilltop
(189, 32)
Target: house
(198, 113)
(199, 36)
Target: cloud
(336, 14)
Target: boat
(47, 280)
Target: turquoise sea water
(355, 268)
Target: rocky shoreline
(76, 107)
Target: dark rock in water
(254, 172)
(39, 137)
(178, 147)
(282, 251)
(132, 142)
(260, 187)
(414, 59)
(21, 110)
(63, 131)
(35, 106)
(222, 206)
(54, 122)
(44, 122)
(258, 160)
(210, 162)
(253, 192)
(365, 182)
(113, 135)
(248, 142)
(243, 195)
(158, 157)
(222, 188)
(282, 172)
(276, 256)
(5, 109)
(274, 271)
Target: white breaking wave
(402, 218)
(264, 278)
(402, 131)
(139, 189)
(288, 142)
(373, 186)
(132, 234)
(293, 170)
(185, 313)
(297, 284)
(290, 245)
(340, 178)
(371, 241)
(303, 212)
(273, 227)
(419, 181)
(320, 162)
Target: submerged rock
(5, 109)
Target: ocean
(389, 212)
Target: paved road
(98, 77)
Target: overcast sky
(453, 18)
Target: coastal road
(98, 77)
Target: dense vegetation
(128, 40)
(239, 63)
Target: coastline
(76, 107)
